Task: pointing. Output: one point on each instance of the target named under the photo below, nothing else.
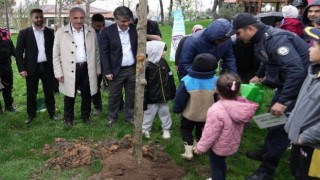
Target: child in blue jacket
(194, 96)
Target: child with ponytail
(224, 124)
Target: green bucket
(253, 93)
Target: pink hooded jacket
(224, 125)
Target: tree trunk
(214, 8)
(220, 3)
(161, 11)
(170, 10)
(87, 20)
(59, 23)
(140, 80)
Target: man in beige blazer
(76, 64)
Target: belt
(82, 64)
(126, 67)
(43, 62)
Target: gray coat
(64, 59)
(304, 120)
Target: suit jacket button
(71, 52)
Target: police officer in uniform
(284, 59)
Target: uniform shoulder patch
(283, 50)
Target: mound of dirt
(117, 158)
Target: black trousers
(44, 73)
(126, 79)
(6, 76)
(82, 83)
(187, 126)
(96, 99)
(275, 144)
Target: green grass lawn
(21, 145)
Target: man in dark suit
(153, 30)
(118, 50)
(34, 61)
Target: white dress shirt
(127, 55)
(79, 40)
(39, 35)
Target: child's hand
(196, 151)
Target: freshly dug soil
(117, 159)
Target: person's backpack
(5, 43)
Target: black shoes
(96, 112)
(255, 155)
(54, 117)
(110, 122)
(68, 124)
(11, 109)
(260, 176)
(87, 121)
(29, 120)
(130, 121)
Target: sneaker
(166, 134)
(146, 134)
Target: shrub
(228, 10)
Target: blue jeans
(218, 166)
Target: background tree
(170, 11)
(161, 11)
(10, 4)
(184, 5)
(215, 5)
(228, 10)
(128, 3)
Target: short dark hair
(137, 6)
(37, 10)
(122, 12)
(97, 18)
(225, 83)
(76, 9)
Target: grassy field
(21, 145)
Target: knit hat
(196, 28)
(290, 11)
(204, 63)
(314, 33)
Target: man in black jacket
(34, 61)
(118, 50)
(284, 61)
(153, 31)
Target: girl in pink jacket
(224, 124)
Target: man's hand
(109, 77)
(60, 79)
(255, 80)
(176, 67)
(23, 74)
(299, 140)
(278, 109)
